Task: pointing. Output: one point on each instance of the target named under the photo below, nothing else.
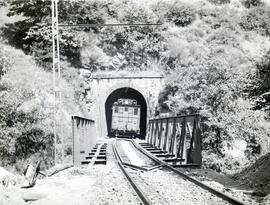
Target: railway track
(144, 199)
(166, 185)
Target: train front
(126, 118)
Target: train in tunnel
(125, 118)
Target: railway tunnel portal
(105, 89)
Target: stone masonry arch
(121, 84)
(102, 85)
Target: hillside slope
(257, 175)
(27, 105)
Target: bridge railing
(84, 138)
(180, 135)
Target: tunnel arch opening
(127, 93)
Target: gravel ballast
(164, 187)
(94, 185)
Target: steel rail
(144, 199)
(214, 191)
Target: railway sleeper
(84, 162)
(144, 143)
(174, 160)
(100, 161)
(152, 149)
(89, 157)
(165, 155)
(158, 152)
(102, 157)
(148, 145)
(186, 165)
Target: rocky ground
(251, 185)
(257, 176)
(164, 187)
(223, 183)
(106, 184)
(96, 185)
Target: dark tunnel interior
(128, 93)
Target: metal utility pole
(56, 78)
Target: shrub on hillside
(257, 19)
(181, 15)
(18, 135)
(131, 48)
(251, 3)
(32, 141)
(219, 2)
(5, 60)
(228, 164)
(215, 87)
(259, 89)
(163, 97)
(3, 3)
(220, 18)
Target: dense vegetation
(26, 107)
(214, 53)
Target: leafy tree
(33, 34)
(34, 12)
(118, 48)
